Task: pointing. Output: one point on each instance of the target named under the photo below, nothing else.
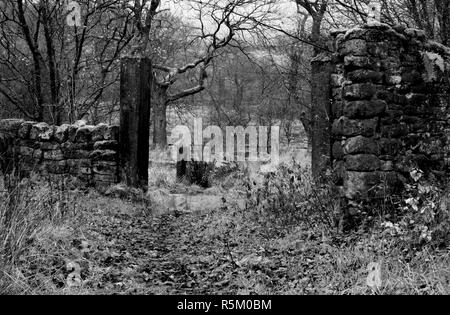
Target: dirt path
(155, 255)
(123, 252)
(118, 247)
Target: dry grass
(161, 172)
(161, 176)
(44, 229)
(30, 209)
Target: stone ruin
(88, 153)
(390, 108)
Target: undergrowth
(29, 208)
(287, 238)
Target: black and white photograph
(224, 153)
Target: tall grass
(28, 207)
(161, 176)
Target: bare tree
(53, 72)
(431, 16)
(219, 23)
(316, 9)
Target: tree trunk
(159, 106)
(315, 33)
(33, 45)
(52, 66)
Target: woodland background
(238, 62)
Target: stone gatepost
(135, 82)
(391, 108)
(320, 114)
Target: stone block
(49, 146)
(364, 109)
(385, 95)
(356, 62)
(361, 145)
(391, 65)
(84, 134)
(356, 47)
(99, 132)
(393, 79)
(76, 150)
(103, 155)
(29, 143)
(53, 155)
(62, 133)
(38, 155)
(378, 49)
(362, 162)
(41, 131)
(387, 166)
(350, 127)
(106, 145)
(360, 91)
(105, 168)
(25, 128)
(105, 178)
(363, 76)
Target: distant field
(296, 150)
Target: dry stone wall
(390, 108)
(89, 153)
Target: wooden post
(135, 80)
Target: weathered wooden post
(135, 80)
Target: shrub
(424, 214)
(199, 173)
(291, 196)
(228, 175)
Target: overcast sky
(286, 10)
